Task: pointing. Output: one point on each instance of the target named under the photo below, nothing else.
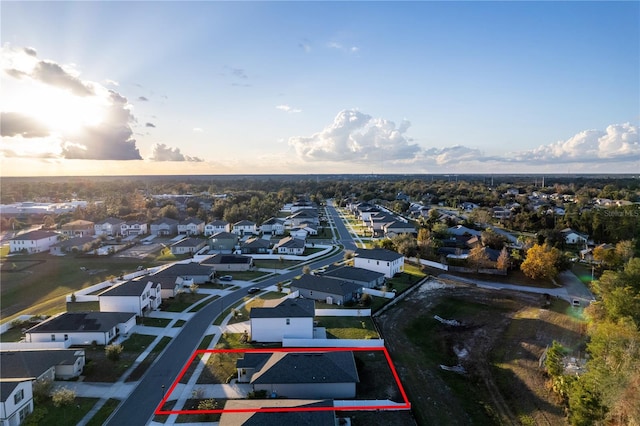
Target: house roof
(325, 285)
(287, 308)
(191, 221)
(7, 386)
(224, 236)
(350, 273)
(218, 223)
(189, 242)
(225, 259)
(33, 364)
(280, 418)
(127, 288)
(256, 242)
(110, 221)
(244, 223)
(75, 242)
(290, 242)
(165, 220)
(34, 235)
(378, 254)
(397, 224)
(78, 224)
(82, 322)
(184, 269)
(306, 367)
(273, 221)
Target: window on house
(66, 337)
(53, 337)
(19, 396)
(24, 413)
(288, 321)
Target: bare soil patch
(494, 343)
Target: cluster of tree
(608, 392)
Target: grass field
(47, 414)
(348, 327)
(42, 285)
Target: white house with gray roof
(289, 318)
(360, 276)
(137, 296)
(380, 260)
(33, 242)
(216, 226)
(82, 328)
(111, 226)
(326, 290)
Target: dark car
(226, 278)
(253, 290)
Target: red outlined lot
(405, 405)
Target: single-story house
(111, 226)
(303, 215)
(223, 242)
(244, 227)
(398, 227)
(273, 226)
(82, 328)
(229, 262)
(200, 274)
(33, 242)
(50, 364)
(239, 412)
(289, 318)
(574, 237)
(78, 228)
(290, 245)
(255, 245)
(381, 260)
(76, 244)
(137, 296)
(188, 246)
(216, 226)
(463, 230)
(360, 276)
(326, 290)
(191, 226)
(331, 374)
(164, 226)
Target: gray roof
(184, 269)
(189, 242)
(127, 288)
(378, 254)
(225, 259)
(224, 236)
(164, 220)
(217, 223)
(76, 242)
(111, 221)
(33, 364)
(280, 418)
(290, 242)
(325, 285)
(82, 322)
(256, 242)
(191, 220)
(244, 223)
(350, 273)
(7, 387)
(34, 235)
(287, 308)
(305, 367)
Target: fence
(373, 292)
(332, 343)
(431, 264)
(26, 346)
(343, 312)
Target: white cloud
(162, 152)
(618, 142)
(198, 130)
(287, 108)
(356, 137)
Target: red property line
(405, 405)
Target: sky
(153, 88)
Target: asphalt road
(139, 407)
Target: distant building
(33, 242)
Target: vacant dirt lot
(477, 363)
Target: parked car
(253, 290)
(226, 278)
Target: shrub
(63, 396)
(113, 351)
(42, 390)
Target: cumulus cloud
(287, 108)
(357, 137)
(162, 152)
(618, 142)
(453, 154)
(75, 118)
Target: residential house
(327, 290)
(255, 245)
(301, 412)
(216, 226)
(78, 228)
(273, 226)
(178, 276)
(501, 213)
(288, 318)
(398, 227)
(37, 241)
(76, 244)
(191, 226)
(224, 242)
(290, 245)
(463, 230)
(137, 296)
(360, 276)
(50, 364)
(16, 400)
(244, 227)
(82, 328)
(229, 262)
(110, 227)
(164, 226)
(381, 260)
(134, 227)
(330, 374)
(574, 237)
(304, 215)
(188, 246)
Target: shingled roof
(287, 308)
(280, 418)
(82, 322)
(325, 285)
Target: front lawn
(100, 369)
(153, 322)
(181, 302)
(348, 327)
(45, 413)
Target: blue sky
(319, 87)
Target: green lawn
(103, 414)
(42, 285)
(181, 302)
(204, 303)
(179, 323)
(348, 327)
(154, 322)
(45, 413)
